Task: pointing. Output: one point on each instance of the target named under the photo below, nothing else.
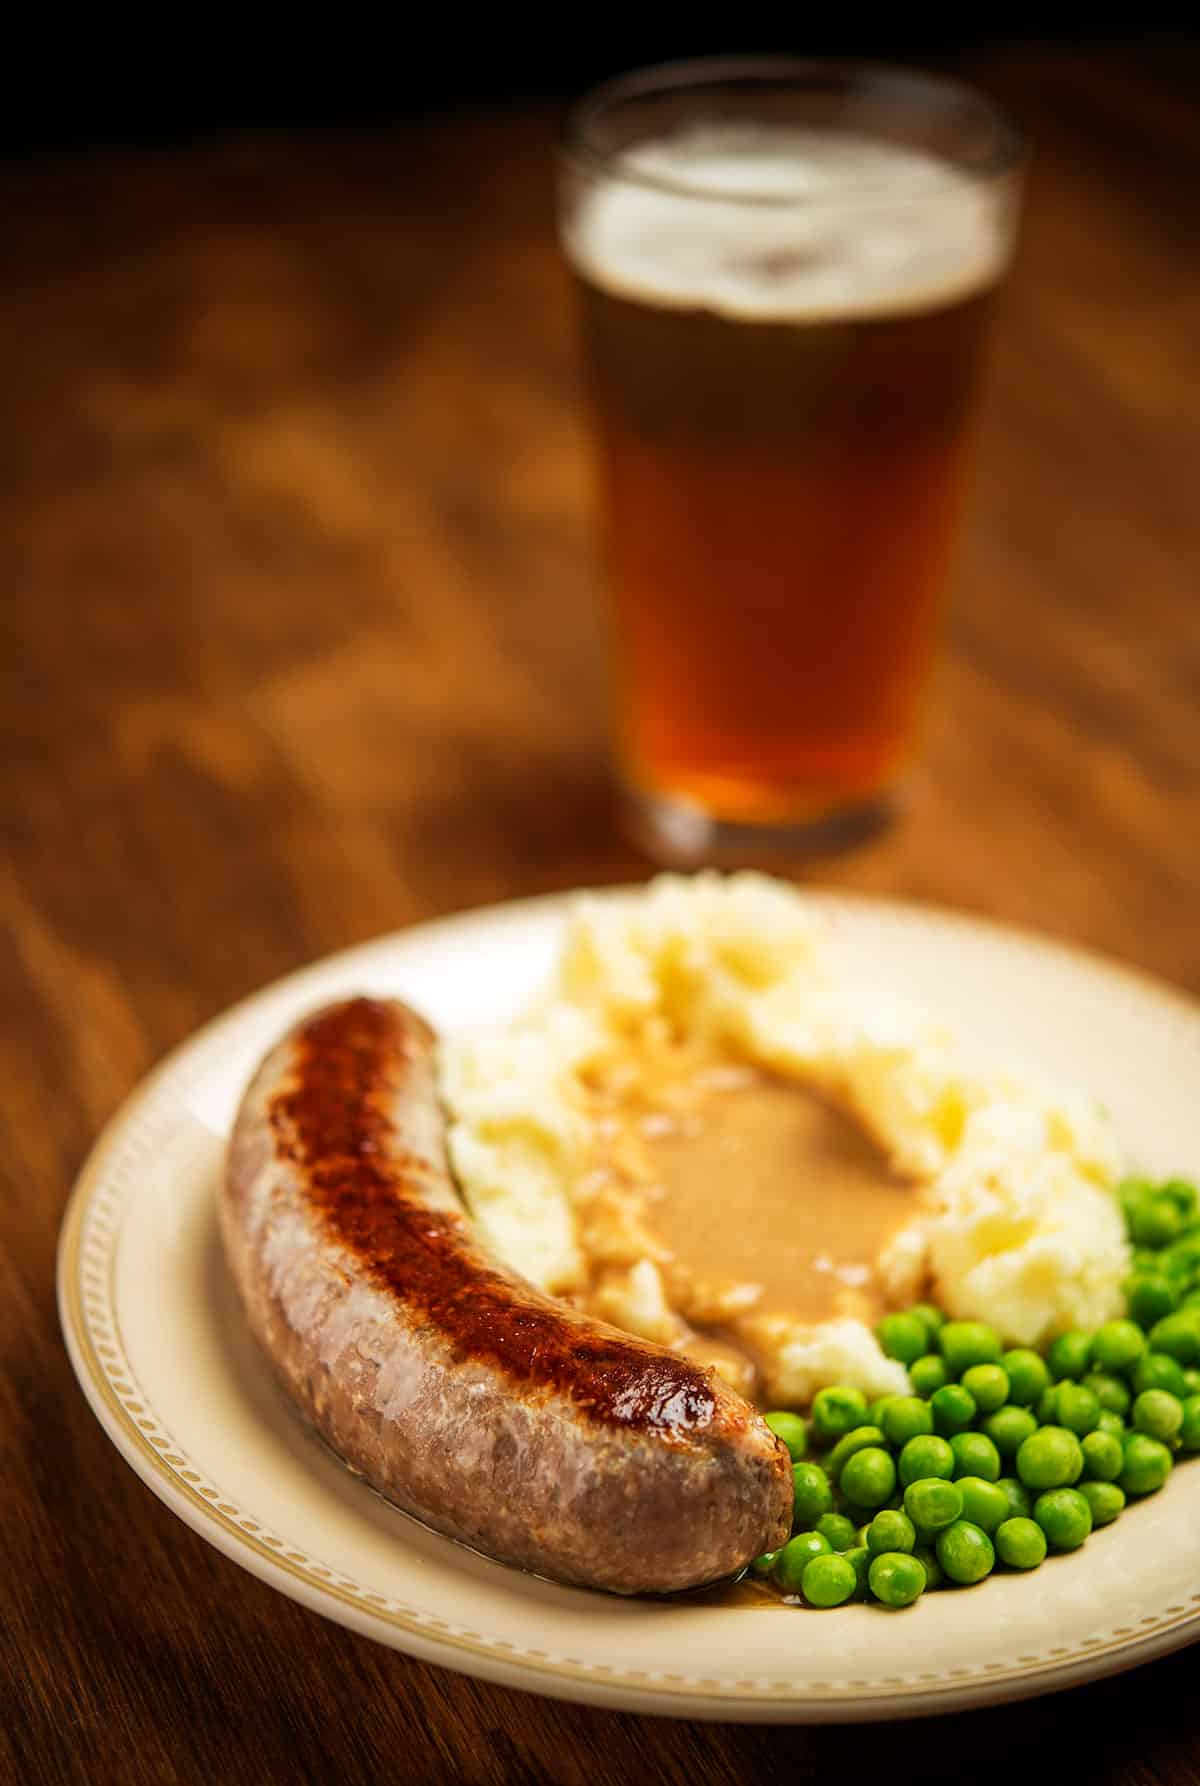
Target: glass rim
(579, 149)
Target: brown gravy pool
(766, 1183)
(755, 1596)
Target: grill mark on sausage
(331, 1120)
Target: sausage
(463, 1394)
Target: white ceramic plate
(158, 1344)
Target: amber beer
(784, 414)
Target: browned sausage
(466, 1396)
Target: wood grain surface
(299, 646)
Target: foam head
(774, 223)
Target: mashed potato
(1016, 1224)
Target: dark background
(191, 75)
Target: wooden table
(299, 647)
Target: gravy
(754, 1596)
(765, 1183)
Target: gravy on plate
(769, 1184)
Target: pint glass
(785, 271)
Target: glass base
(679, 834)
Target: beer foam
(783, 224)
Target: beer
(783, 393)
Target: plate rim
(178, 1481)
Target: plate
(158, 1345)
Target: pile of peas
(998, 1456)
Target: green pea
(1109, 1391)
(1020, 1503)
(1184, 1257)
(1178, 1335)
(1157, 1370)
(1078, 1408)
(1065, 1516)
(1158, 1413)
(1070, 1355)
(890, 1530)
(1190, 1301)
(1047, 1406)
(905, 1418)
(868, 1478)
(985, 1504)
(1191, 1381)
(896, 1578)
(1103, 1457)
(903, 1336)
(1117, 1345)
(1105, 1500)
(828, 1581)
(1050, 1458)
(965, 1552)
(933, 1318)
(975, 1455)
(1008, 1428)
(1133, 1190)
(1147, 1465)
(858, 1440)
(792, 1430)
(764, 1564)
(812, 1495)
(953, 1409)
(988, 1385)
(1149, 1296)
(836, 1411)
(934, 1573)
(927, 1374)
(1180, 1261)
(840, 1532)
(793, 1559)
(1145, 1259)
(932, 1504)
(1027, 1376)
(926, 1456)
(1110, 1423)
(1183, 1194)
(860, 1560)
(875, 1411)
(965, 1343)
(1189, 1432)
(1154, 1222)
(1021, 1543)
